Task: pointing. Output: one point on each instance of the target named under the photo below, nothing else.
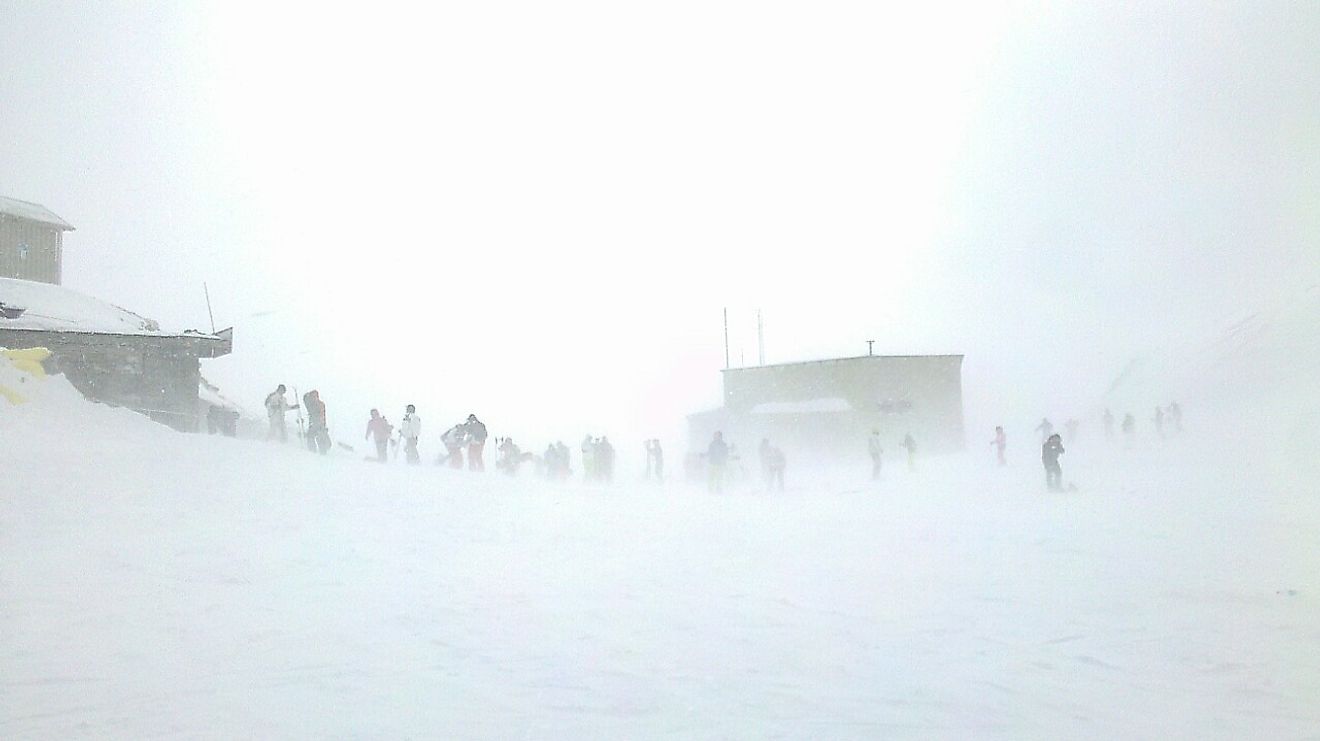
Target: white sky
(535, 211)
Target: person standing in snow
(588, 459)
(1045, 428)
(1050, 452)
(1175, 414)
(1129, 429)
(650, 459)
(775, 465)
(510, 456)
(276, 406)
(453, 442)
(659, 454)
(717, 456)
(1159, 421)
(911, 446)
(1109, 424)
(565, 462)
(379, 427)
(318, 431)
(476, 437)
(763, 457)
(605, 459)
(411, 429)
(1000, 442)
(877, 454)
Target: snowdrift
(161, 584)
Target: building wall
(155, 376)
(921, 395)
(30, 250)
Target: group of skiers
(469, 435)
(1052, 442)
(317, 434)
(597, 459)
(598, 454)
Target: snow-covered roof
(807, 406)
(51, 308)
(32, 212)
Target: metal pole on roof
(726, 338)
(208, 306)
(869, 349)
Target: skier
(411, 429)
(775, 464)
(1175, 413)
(565, 463)
(276, 406)
(381, 428)
(1109, 425)
(1000, 442)
(605, 459)
(453, 442)
(588, 459)
(877, 454)
(659, 454)
(1159, 421)
(717, 455)
(1050, 452)
(510, 457)
(911, 446)
(318, 431)
(476, 439)
(763, 456)
(1045, 428)
(1129, 429)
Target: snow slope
(154, 584)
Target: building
(31, 242)
(110, 354)
(824, 409)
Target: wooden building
(825, 409)
(110, 354)
(31, 242)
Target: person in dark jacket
(1049, 454)
(476, 437)
(717, 456)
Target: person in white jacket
(411, 429)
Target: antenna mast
(726, 338)
(207, 291)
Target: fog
(538, 214)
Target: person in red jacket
(381, 429)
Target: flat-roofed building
(826, 409)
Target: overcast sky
(536, 211)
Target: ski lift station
(109, 354)
(825, 409)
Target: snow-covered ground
(157, 584)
